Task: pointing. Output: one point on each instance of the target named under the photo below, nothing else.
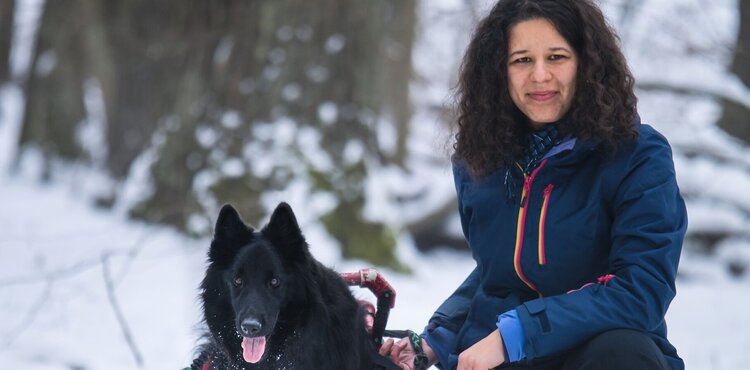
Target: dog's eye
(274, 283)
(238, 281)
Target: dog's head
(255, 269)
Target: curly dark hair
(490, 128)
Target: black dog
(270, 305)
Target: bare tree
(6, 28)
(735, 119)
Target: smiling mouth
(542, 96)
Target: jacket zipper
(522, 212)
(542, 219)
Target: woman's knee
(618, 349)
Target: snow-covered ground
(58, 256)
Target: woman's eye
(521, 60)
(556, 57)
(274, 282)
(238, 281)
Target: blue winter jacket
(590, 243)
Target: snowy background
(82, 288)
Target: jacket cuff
(513, 335)
(533, 318)
(442, 341)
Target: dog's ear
(230, 234)
(229, 225)
(284, 232)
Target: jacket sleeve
(442, 330)
(648, 227)
(452, 313)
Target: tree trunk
(735, 119)
(6, 35)
(54, 97)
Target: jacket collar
(582, 148)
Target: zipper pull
(527, 183)
(548, 190)
(526, 190)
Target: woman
(569, 204)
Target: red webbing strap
(373, 280)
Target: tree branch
(118, 312)
(78, 267)
(734, 92)
(52, 275)
(31, 315)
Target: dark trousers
(620, 349)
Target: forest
(211, 102)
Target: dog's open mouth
(253, 348)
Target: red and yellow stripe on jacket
(542, 219)
(520, 226)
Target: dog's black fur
(268, 284)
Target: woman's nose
(540, 73)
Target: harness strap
(203, 362)
(420, 358)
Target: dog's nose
(250, 327)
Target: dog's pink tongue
(253, 348)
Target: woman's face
(541, 71)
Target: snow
(231, 120)
(25, 24)
(92, 133)
(308, 141)
(328, 113)
(335, 43)
(317, 73)
(57, 315)
(223, 51)
(46, 63)
(719, 85)
(53, 293)
(291, 92)
(11, 115)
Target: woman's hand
(399, 352)
(488, 353)
(402, 354)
